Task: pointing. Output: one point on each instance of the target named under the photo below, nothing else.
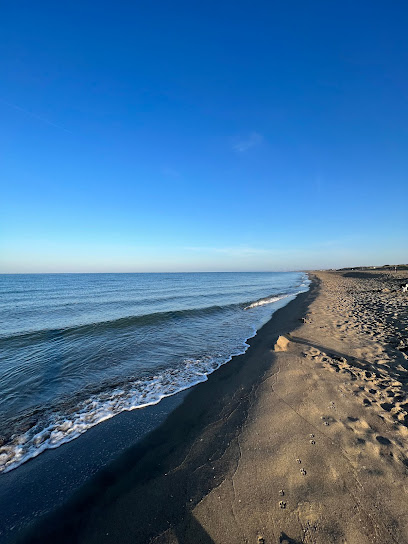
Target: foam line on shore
(59, 428)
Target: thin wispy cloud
(231, 250)
(33, 115)
(243, 144)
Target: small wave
(263, 301)
(103, 326)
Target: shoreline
(191, 416)
(181, 366)
(60, 472)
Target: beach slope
(303, 439)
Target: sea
(77, 349)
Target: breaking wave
(263, 301)
(28, 338)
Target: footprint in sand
(312, 442)
(387, 406)
(303, 472)
(382, 440)
(327, 420)
(282, 504)
(281, 493)
(402, 417)
(284, 539)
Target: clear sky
(215, 135)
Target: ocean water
(76, 349)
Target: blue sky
(178, 136)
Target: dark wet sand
(47, 481)
(158, 482)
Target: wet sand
(301, 439)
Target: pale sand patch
(282, 343)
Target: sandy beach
(302, 439)
(203, 295)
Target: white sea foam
(263, 301)
(141, 393)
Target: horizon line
(170, 272)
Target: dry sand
(304, 442)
